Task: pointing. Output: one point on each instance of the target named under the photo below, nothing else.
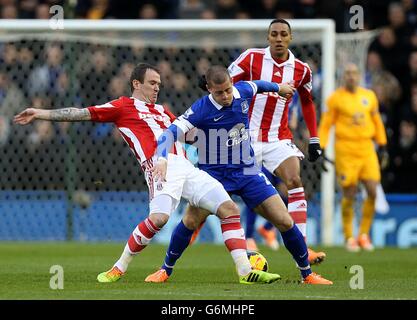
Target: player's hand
(314, 150)
(159, 170)
(26, 116)
(286, 90)
(383, 157)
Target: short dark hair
(279, 21)
(217, 75)
(139, 71)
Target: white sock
(241, 260)
(124, 259)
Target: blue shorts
(253, 188)
(274, 179)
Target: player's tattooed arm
(66, 114)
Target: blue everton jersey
(223, 139)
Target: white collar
(218, 106)
(289, 61)
(236, 95)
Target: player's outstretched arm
(285, 90)
(67, 114)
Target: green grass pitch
(204, 272)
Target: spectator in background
(208, 14)
(26, 65)
(94, 80)
(43, 80)
(117, 88)
(125, 71)
(402, 173)
(191, 9)
(4, 131)
(375, 13)
(42, 11)
(266, 9)
(387, 46)
(11, 97)
(148, 11)
(167, 74)
(9, 60)
(181, 93)
(226, 9)
(410, 10)
(202, 65)
(98, 9)
(387, 89)
(398, 22)
(306, 9)
(9, 11)
(27, 9)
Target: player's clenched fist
(286, 90)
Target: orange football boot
(365, 242)
(314, 278)
(158, 276)
(315, 257)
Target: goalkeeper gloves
(383, 157)
(314, 150)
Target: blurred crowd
(93, 157)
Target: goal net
(79, 180)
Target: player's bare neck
(280, 58)
(141, 97)
(351, 89)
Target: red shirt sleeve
(307, 104)
(170, 114)
(108, 112)
(239, 70)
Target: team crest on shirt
(245, 106)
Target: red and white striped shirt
(268, 113)
(140, 124)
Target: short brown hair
(217, 75)
(139, 73)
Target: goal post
(183, 42)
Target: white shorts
(186, 181)
(272, 154)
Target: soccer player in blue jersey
(226, 154)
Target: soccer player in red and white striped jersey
(270, 133)
(141, 121)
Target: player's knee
(227, 209)
(293, 181)
(349, 192)
(371, 193)
(285, 223)
(192, 221)
(159, 219)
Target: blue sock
(250, 222)
(180, 239)
(295, 244)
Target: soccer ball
(257, 261)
